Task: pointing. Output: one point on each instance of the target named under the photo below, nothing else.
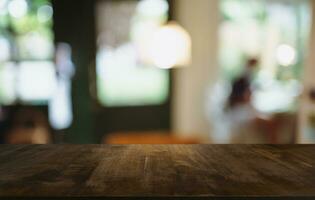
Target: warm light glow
(286, 55)
(171, 47)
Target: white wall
(201, 19)
(308, 107)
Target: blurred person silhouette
(247, 124)
(232, 114)
(250, 69)
(27, 125)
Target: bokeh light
(171, 47)
(18, 8)
(45, 13)
(286, 55)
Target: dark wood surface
(206, 171)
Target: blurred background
(157, 71)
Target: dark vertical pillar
(74, 24)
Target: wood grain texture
(157, 171)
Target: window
(27, 72)
(124, 77)
(276, 33)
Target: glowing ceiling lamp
(171, 47)
(286, 55)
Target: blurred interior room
(157, 71)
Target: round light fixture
(171, 47)
(286, 55)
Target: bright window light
(125, 73)
(36, 80)
(154, 8)
(4, 49)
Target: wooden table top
(157, 171)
